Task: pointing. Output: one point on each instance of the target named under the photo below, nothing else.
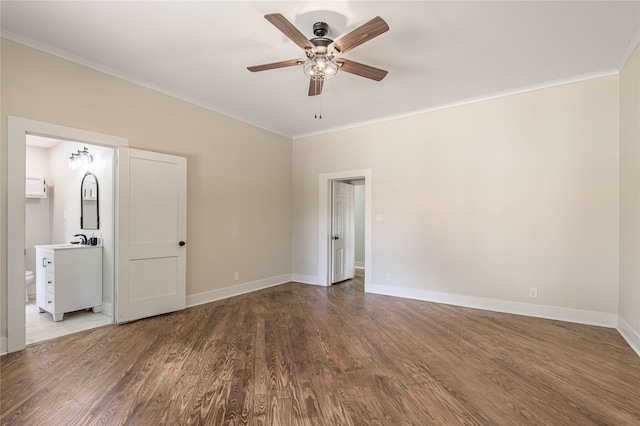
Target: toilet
(28, 277)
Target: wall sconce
(82, 158)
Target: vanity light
(82, 158)
(73, 162)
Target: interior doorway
(325, 247)
(347, 229)
(53, 217)
(18, 129)
(133, 195)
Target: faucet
(84, 238)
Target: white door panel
(154, 186)
(152, 212)
(153, 277)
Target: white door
(152, 206)
(342, 231)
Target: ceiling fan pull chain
(318, 102)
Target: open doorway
(360, 179)
(347, 252)
(136, 191)
(54, 216)
(18, 129)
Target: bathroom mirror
(89, 202)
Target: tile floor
(41, 326)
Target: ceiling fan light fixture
(320, 67)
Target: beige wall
(239, 176)
(485, 199)
(630, 197)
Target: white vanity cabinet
(68, 278)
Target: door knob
(181, 243)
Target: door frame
(18, 128)
(324, 223)
(348, 238)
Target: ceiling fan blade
(288, 29)
(281, 64)
(360, 35)
(362, 70)
(315, 87)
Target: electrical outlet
(533, 292)
(388, 276)
(236, 276)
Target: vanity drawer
(47, 262)
(50, 299)
(50, 282)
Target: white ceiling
(41, 141)
(437, 53)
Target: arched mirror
(89, 202)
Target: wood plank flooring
(305, 355)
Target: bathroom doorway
(18, 128)
(52, 216)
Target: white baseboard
(236, 290)
(630, 335)
(528, 309)
(3, 346)
(306, 279)
(359, 265)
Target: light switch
(379, 218)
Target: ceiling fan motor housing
(320, 29)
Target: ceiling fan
(322, 61)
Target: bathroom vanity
(68, 278)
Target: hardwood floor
(300, 354)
